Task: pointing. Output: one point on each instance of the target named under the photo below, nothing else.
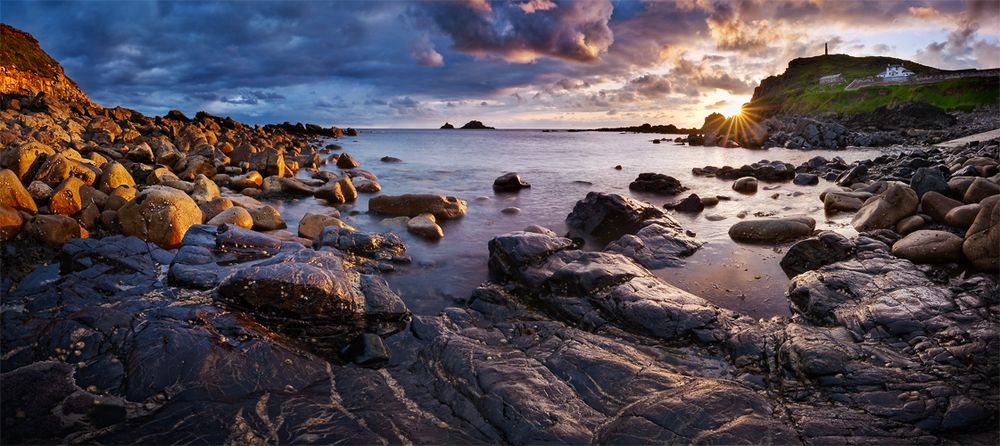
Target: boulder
(844, 201)
(509, 182)
(311, 225)
(806, 179)
(853, 175)
(937, 205)
(345, 161)
(911, 223)
(118, 197)
(425, 225)
(66, 198)
(611, 216)
(304, 290)
(59, 167)
(979, 189)
(235, 216)
(809, 254)
(160, 215)
(266, 218)
(13, 194)
(982, 240)
(40, 191)
(338, 192)
(884, 210)
(379, 245)
(365, 185)
(746, 185)
(252, 179)
(212, 208)
(295, 186)
(928, 179)
(412, 205)
(772, 230)
(141, 153)
(962, 216)
(25, 158)
(693, 204)
(390, 159)
(55, 230)
(113, 175)
(10, 223)
(197, 165)
(268, 162)
(929, 246)
(657, 183)
(204, 190)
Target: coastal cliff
(26, 69)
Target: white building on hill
(895, 72)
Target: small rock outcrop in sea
(476, 125)
(447, 126)
(657, 183)
(764, 170)
(509, 182)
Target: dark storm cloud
(524, 31)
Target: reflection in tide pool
(562, 167)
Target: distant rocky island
(471, 125)
(646, 128)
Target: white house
(895, 72)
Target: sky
(511, 64)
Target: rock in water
(412, 205)
(424, 225)
(772, 230)
(611, 215)
(160, 215)
(929, 246)
(854, 175)
(746, 185)
(345, 161)
(886, 209)
(266, 218)
(806, 179)
(982, 240)
(657, 183)
(509, 182)
(812, 253)
(693, 204)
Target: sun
(732, 110)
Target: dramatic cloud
(523, 32)
(531, 62)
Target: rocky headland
(151, 295)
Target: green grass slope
(18, 49)
(797, 90)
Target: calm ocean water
(464, 163)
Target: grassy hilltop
(797, 90)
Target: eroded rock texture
(562, 346)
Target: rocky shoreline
(166, 304)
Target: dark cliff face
(28, 69)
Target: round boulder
(425, 225)
(929, 246)
(412, 205)
(982, 240)
(159, 214)
(887, 208)
(746, 185)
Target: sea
(562, 167)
